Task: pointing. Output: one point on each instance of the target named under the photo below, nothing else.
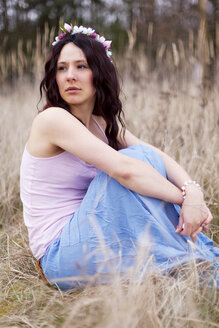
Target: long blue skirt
(113, 224)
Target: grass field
(168, 112)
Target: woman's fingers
(206, 227)
(187, 229)
(206, 223)
(194, 234)
(179, 227)
(209, 218)
(192, 228)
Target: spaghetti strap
(101, 129)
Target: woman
(86, 180)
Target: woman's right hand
(194, 217)
(204, 226)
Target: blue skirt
(113, 225)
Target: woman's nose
(71, 74)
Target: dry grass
(168, 113)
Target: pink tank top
(51, 190)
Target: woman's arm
(194, 208)
(57, 128)
(175, 173)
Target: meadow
(167, 108)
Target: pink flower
(61, 36)
(94, 35)
(107, 44)
(68, 27)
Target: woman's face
(75, 78)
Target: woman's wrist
(191, 189)
(194, 193)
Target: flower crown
(70, 30)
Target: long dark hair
(105, 80)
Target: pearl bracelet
(186, 183)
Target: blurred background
(173, 35)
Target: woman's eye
(61, 68)
(82, 66)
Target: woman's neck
(84, 115)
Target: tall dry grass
(165, 109)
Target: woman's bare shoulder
(38, 143)
(51, 111)
(46, 119)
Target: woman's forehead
(71, 52)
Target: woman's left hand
(194, 217)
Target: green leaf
(62, 27)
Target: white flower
(90, 30)
(56, 41)
(100, 39)
(75, 29)
(109, 53)
(84, 31)
(81, 28)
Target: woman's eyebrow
(76, 61)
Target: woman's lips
(72, 90)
